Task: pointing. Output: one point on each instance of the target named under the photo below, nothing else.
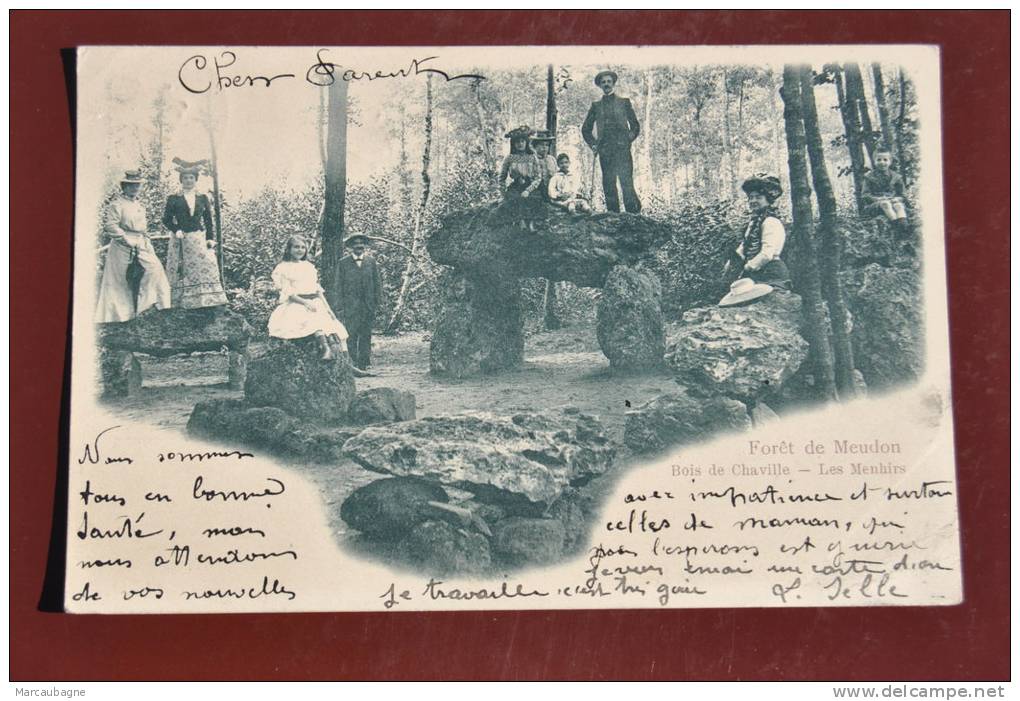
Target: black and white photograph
(431, 328)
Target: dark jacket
(877, 185)
(359, 290)
(615, 121)
(176, 216)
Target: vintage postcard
(509, 327)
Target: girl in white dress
(303, 309)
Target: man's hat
(543, 136)
(354, 238)
(744, 290)
(611, 74)
(767, 185)
(132, 176)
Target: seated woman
(758, 255)
(303, 309)
(125, 225)
(523, 204)
(190, 260)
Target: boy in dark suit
(359, 290)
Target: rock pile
(524, 484)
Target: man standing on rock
(617, 126)
(359, 292)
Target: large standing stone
(888, 330)
(629, 321)
(291, 376)
(480, 327)
(677, 419)
(528, 541)
(527, 458)
(388, 509)
(438, 548)
(382, 405)
(740, 352)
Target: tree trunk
(777, 138)
(809, 284)
(214, 171)
(332, 235)
(828, 253)
(550, 319)
(883, 107)
(419, 219)
(855, 92)
(851, 127)
(901, 152)
(728, 136)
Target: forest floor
(561, 368)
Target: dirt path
(562, 368)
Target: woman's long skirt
(116, 300)
(193, 271)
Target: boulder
(888, 330)
(291, 376)
(574, 511)
(581, 248)
(528, 541)
(629, 320)
(270, 428)
(480, 327)
(120, 373)
(382, 405)
(438, 548)
(388, 509)
(525, 459)
(677, 418)
(742, 352)
(166, 332)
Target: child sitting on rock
(303, 309)
(563, 188)
(883, 193)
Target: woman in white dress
(125, 225)
(303, 309)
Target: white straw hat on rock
(744, 290)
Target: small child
(563, 188)
(883, 193)
(303, 309)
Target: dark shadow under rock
(388, 509)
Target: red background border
(970, 641)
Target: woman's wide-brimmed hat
(744, 290)
(767, 185)
(132, 176)
(190, 167)
(521, 132)
(611, 74)
(354, 238)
